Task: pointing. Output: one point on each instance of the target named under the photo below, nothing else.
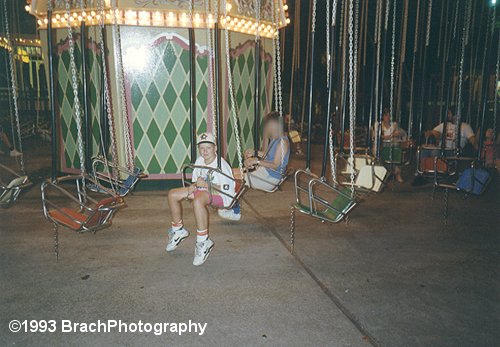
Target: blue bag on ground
(473, 181)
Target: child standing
(223, 189)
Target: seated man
(5, 140)
(199, 194)
(265, 170)
(466, 134)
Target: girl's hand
(249, 162)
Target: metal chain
(352, 103)
(13, 86)
(393, 61)
(107, 98)
(333, 167)
(277, 78)
(327, 42)
(211, 68)
(495, 105)
(428, 32)
(76, 100)
(292, 229)
(231, 94)
(313, 26)
(460, 84)
(121, 82)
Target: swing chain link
(277, 78)
(211, 67)
(231, 95)
(292, 229)
(352, 103)
(76, 100)
(107, 97)
(327, 42)
(14, 86)
(313, 26)
(428, 29)
(121, 82)
(333, 167)
(460, 84)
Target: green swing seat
(339, 207)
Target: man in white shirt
(466, 133)
(222, 186)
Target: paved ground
(393, 276)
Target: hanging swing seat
(396, 152)
(9, 192)
(114, 177)
(240, 187)
(371, 178)
(325, 202)
(454, 169)
(77, 214)
(274, 185)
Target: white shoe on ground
(202, 251)
(175, 237)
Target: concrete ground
(395, 275)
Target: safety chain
(211, 68)
(445, 212)
(428, 32)
(352, 103)
(231, 95)
(107, 98)
(387, 10)
(56, 241)
(14, 87)
(121, 81)
(76, 100)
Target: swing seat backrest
(340, 205)
(371, 177)
(12, 190)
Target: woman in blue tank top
(271, 163)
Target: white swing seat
(275, 185)
(371, 177)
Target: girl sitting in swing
(223, 189)
(265, 170)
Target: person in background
(390, 132)
(467, 136)
(5, 140)
(200, 196)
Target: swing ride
(158, 79)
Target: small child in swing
(223, 189)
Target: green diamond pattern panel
(243, 68)
(161, 107)
(65, 99)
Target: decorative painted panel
(70, 161)
(243, 68)
(160, 101)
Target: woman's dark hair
(385, 111)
